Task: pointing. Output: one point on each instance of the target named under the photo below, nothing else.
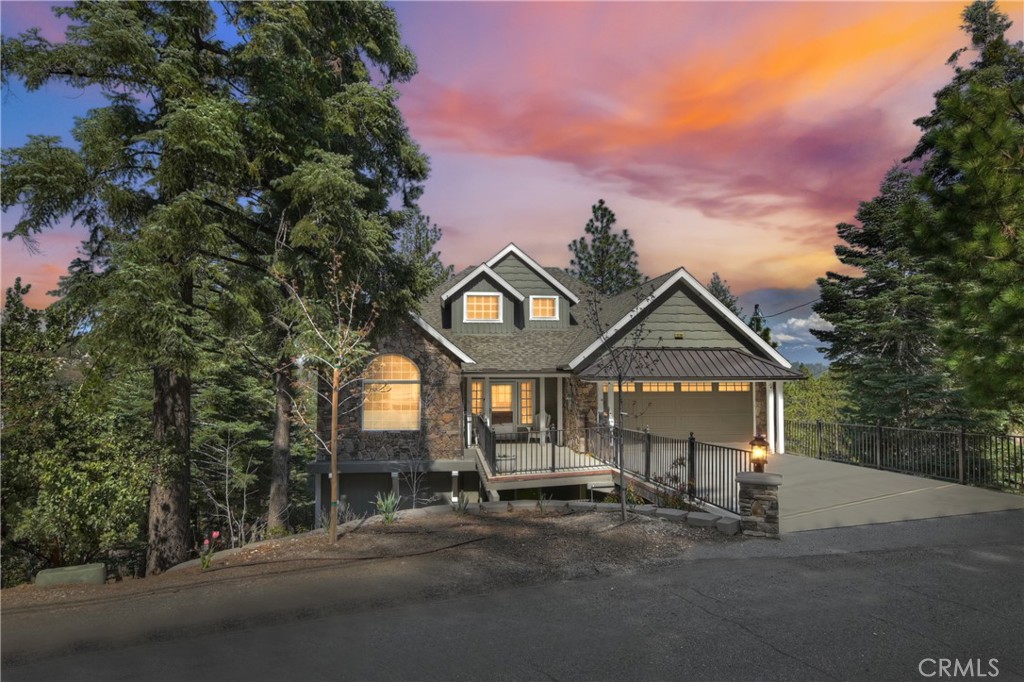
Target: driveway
(820, 494)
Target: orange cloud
(770, 113)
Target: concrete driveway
(819, 494)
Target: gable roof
(482, 270)
(617, 314)
(535, 267)
(551, 350)
(440, 338)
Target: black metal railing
(533, 451)
(704, 471)
(990, 461)
(485, 440)
(716, 468)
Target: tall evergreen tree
(266, 155)
(75, 471)
(603, 258)
(972, 149)
(719, 288)
(416, 242)
(882, 343)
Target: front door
(502, 397)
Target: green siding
(516, 273)
(682, 311)
(483, 285)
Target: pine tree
(972, 149)
(884, 320)
(74, 472)
(266, 156)
(603, 258)
(719, 288)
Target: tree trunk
(168, 496)
(281, 462)
(323, 416)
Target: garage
(715, 412)
(722, 395)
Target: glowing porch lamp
(759, 453)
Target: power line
(796, 307)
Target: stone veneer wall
(441, 407)
(580, 410)
(761, 406)
(759, 503)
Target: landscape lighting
(759, 453)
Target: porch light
(759, 453)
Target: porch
(535, 459)
(704, 472)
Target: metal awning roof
(688, 364)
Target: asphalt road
(881, 602)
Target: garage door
(713, 417)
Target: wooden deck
(531, 463)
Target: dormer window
(482, 307)
(543, 307)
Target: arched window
(391, 395)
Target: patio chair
(541, 422)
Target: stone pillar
(759, 503)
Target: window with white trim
(476, 396)
(525, 402)
(543, 307)
(481, 307)
(391, 394)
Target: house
(506, 378)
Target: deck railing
(991, 461)
(703, 471)
(535, 451)
(716, 469)
(485, 440)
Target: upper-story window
(543, 307)
(482, 307)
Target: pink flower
(216, 534)
(206, 542)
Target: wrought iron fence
(990, 461)
(485, 440)
(532, 451)
(716, 468)
(705, 471)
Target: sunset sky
(727, 137)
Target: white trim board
(536, 267)
(483, 270)
(434, 334)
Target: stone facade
(580, 411)
(761, 406)
(759, 504)
(440, 435)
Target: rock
(88, 574)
